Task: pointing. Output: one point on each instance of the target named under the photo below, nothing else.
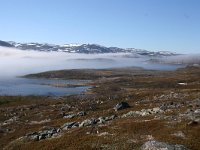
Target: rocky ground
(124, 109)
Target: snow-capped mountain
(81, 48)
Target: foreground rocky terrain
(125, 109)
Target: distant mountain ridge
(81, 48)
(5, 44)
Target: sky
(172, 25)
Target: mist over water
(14, 62)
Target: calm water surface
(40, 87)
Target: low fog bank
(14, 62)
(187, 59)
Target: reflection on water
(40, 87)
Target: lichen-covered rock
(72, 115)
(68, 125)
(109, 118)
(143, 112)
(81, 113)
(41, 135)
(88, 122)
(155, 145)
(101, 120)
(131, 113)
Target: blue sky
(172, 25)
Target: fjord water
(15, 63)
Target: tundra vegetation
(127, 108)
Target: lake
(39, 87)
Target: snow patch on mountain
(86, 49)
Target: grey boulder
(155, 145)
(88, 122)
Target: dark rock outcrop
(121, 105)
